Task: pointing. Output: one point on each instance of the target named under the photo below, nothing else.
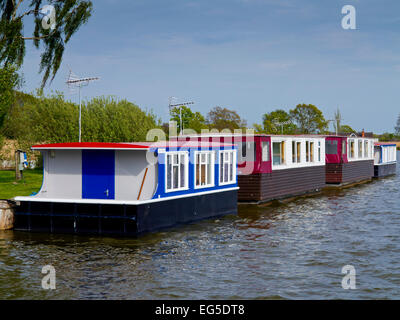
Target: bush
(53, 120)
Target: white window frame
(265, 145)
(351, 156)
(308, 152)
(212, 164)
(297, 156)
(234, 164)
(319, 151)
(282, 150)
(366, 149)
(311, 149)
(186, 160)
(360, 152)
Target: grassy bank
(9, 188)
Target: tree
(190, 120)
(223, 118)
(54, 27)
(308, 118)
(9, 82)
(397, 127)
(346, 129)
(276, 122)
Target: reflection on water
(293, 250)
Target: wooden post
(6, 215)
(18, 175)
(141, 187)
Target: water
(290, 251)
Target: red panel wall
(339, 157)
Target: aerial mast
(76, 82)
(180, 105)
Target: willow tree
(55, 22)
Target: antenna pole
(75, 81)
(180, 105)
(80, 115)
(180, 118)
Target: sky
(251, 56)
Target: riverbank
(10, 188)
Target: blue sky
(252, 56)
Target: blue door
(98, 174)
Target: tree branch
(16, 6)
(37, 38)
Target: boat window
(296, 152)
(311, 151)
(244, 150)
(177, 171)
(366, 149)
(360, 145)
(344, 147)
(278, 150)
(248, 151)
(204, 169)
(319, 151)
(265, 151)
(227, 167)
(351, 149)
(331, 146)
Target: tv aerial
(74, 82)
(180, 105)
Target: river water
(287, 251)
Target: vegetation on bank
(9, 188)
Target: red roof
(128, 145)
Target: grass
(9, 188)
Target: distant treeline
(35, 118)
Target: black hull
(384, 170)
(117, 219)
(280, 184)
(349, 172)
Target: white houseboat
(129, 188)
(385, 159)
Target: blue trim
(160, 192)
(41, 187)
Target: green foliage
(70, 15)
(53, 119)
(346, 129)
(309, 119)
(387, 137)
(275, 122)
(190, 120)
(9, 81)
(223, 118)
(107, 119)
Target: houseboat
(274, 167)
(129, 188)
(384, 159)
(349, 159)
